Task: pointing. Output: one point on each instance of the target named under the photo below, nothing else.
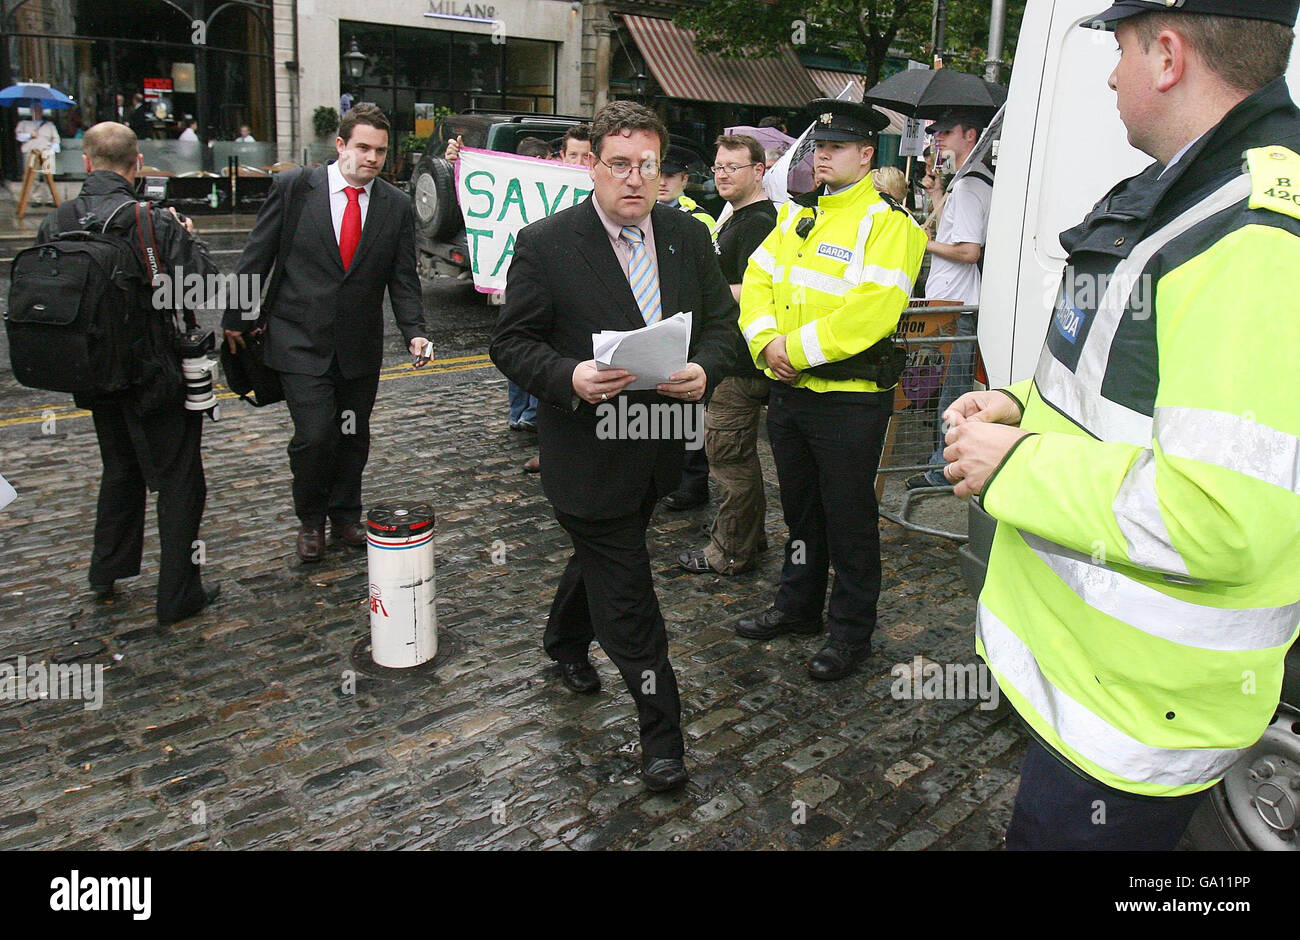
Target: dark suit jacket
(321, 310)
(565, 283)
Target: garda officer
(1142, 590)
(820, 300)
(672, 186)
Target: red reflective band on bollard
(402, 598)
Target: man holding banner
(615, 261)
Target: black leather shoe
(210, 594)
(580, 678)
(349, 533)
(102, 592)
(771, 623)
(679, 500)
(664, 773)
(837, 660)
(311, 543)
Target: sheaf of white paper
(652, 353)
(7, 493)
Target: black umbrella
(927, 93)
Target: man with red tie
(337, 237)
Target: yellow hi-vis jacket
(836, 291)
(1144, 581)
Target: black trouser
(695, 474)
(331, 443)
(607, 593)
(162, 452)
(827, 447)
(1058, 808)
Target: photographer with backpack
(149, 434)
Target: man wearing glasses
(731, 424)
(616, 261)
(821, 298)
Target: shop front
(418, 59)
(209, 60)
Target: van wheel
(1257, 804)
(433, 193)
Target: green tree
(865, 31)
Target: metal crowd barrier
(928, 335)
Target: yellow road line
(435, 367)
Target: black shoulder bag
(245, 370)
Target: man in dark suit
(140, 119)
(616, 261)
(354, 237)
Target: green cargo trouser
(731, 442)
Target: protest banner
(500, 193)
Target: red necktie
(350, 230)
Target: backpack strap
(65, 218)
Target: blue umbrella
(26, 93)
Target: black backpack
(76, 320)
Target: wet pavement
(256, 724)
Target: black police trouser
(330, 444)
(161, 451)
(695, 474)
(1058, 808)
(827, 447)
(607, 593)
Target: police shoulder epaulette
(892, 202)
(1274, 180)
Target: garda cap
(834, 119)
(1274, 11)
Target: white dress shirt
(339, 199)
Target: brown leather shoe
(533, 465)
(350, 533)
(311, 542)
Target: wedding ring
(604, 397)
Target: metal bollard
(403, 614)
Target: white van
(1062, 148)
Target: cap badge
(827, 117)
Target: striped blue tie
(642, 276)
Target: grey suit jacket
(321, 310)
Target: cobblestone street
(238, 728)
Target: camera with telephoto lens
(197, 370)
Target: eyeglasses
(730, 169)
(622, 169)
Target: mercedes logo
(1275, 807)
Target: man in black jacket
(354, 238)
(731, 435)
(618, 262)
(159, 449)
